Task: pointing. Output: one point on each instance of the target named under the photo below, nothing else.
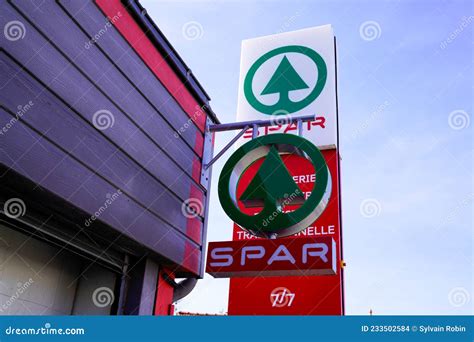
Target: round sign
(284, 80)
(273, 187)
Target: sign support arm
(255, 124)
(226, 147)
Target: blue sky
(405, 113)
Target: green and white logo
(273, 187)
(284, 80)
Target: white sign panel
(290, 74)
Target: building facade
(102, 136)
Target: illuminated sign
(290, 74)
(264, 257)
(284, 80)
(273, 188)
(314, 295)
(263, 60)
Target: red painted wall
(164, 295)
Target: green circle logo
(273, 187)
(284, 80)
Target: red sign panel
(263, 257)
(294, 295)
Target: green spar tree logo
(273, 187)
(284, 80)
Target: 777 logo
(281, 297)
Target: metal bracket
(260, 123)
(226, 147)
(207, 153)
(244, 126)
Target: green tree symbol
(272, 185)
(284, 80)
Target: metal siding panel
(92, 20)
(60, 124)
(35, 53)
(142, 45)
(138, 12)
(64, 33)
(31, 155)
